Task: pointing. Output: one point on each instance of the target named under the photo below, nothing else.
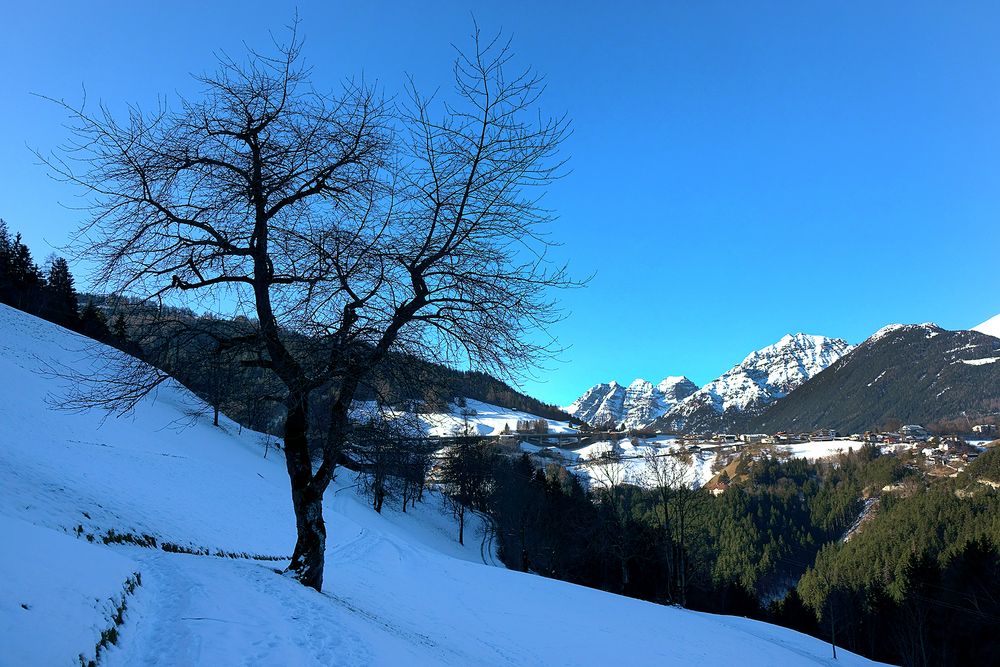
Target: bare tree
(361, 226)
(672, 477)
(610, 474)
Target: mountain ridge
(676, 403)
(635, 406)
(763, 377)
(909, 373)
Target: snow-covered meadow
(399, 588)
(694, 468)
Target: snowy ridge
(637, 405)
(760, 379)
(990, 327)
(399, 589)
(930, 328)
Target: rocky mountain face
(746, 390)
(636, 406)
(909, 373)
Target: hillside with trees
(902, 375)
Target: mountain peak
(636, 406)
(930, 328)
(760, 379)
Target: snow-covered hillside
(763, 377)
(693, 469)
(482, 419)
(77, 492)
(636, 406)
(990, 327)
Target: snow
(980, 362)
(763, 376)
(990, 327)
(56, 594)
(819, 449)
(930, 328)
(586, 461)
(637, 405)
(482, 419)
(880, 376)
(399, 589)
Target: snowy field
(483, 419)
(695, 469)
(399, 589)
(475, 418)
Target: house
(914, 433)
(984, 429)
(716, 486)
(753, 437)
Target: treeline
(188, 346)
(47, 291)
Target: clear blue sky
(740, 170)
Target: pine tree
(61, 302)
(23, 277)
(93, 323)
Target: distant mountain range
(912, 373)
(748, 388)
(636, 406)
(676, 403)
(903, 372)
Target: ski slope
(399, 589)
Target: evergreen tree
(61, 304)
(93, 323)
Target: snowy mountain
(990, 327)
(94, 512)
(637, 405)
(909, 373)
(747, 389)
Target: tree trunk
(310, 545)
(307, 502)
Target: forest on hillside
(189, 347)
(860, 550)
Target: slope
(399, 589)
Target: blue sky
(739, 170)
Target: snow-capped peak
(990, 327)
(931, 329)
(761, 378)
(636, 406)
